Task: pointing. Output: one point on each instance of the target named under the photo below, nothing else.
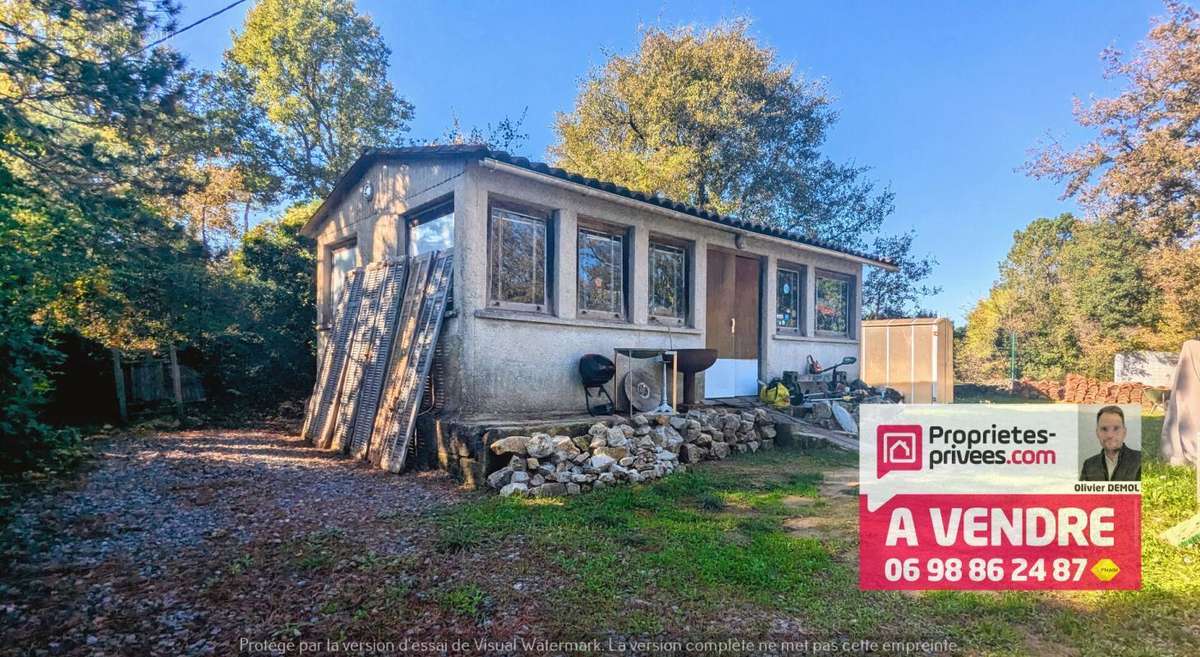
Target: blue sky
(943, 100)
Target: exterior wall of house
(524, 362)
(510, 362)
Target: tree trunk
(175, 383)
(119, 380)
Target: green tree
(82, 116)
(1138, 172)
(709, 117)
(272, 351)
(1074, 293)
(304, 90)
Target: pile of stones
(647, 447)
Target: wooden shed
(914, 356)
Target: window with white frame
(431, 229)
(342, 258)
(519, 258)
(668, 270)
(601, 260)
(834, 303)
(789, 299)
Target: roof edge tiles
(481, 152)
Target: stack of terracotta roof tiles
(1076, 389)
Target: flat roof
(481, 152)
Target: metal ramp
(378, 345)
(406, 380)
(357, 355)
(319, 412)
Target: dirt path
(181, 543)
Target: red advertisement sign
(967, 497)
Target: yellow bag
(776, 394)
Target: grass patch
(318, 550)
(465, 600)
(691, 545)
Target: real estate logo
(897, 447)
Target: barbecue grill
(595, 371)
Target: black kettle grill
(596, 370)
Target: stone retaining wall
(614, 452)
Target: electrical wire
(183, 29)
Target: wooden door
(732, 324)
(745, 309)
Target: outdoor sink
(688, 362)
(691, 361)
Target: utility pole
(1012, 361)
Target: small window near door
(342, 258)
(668, 282)
(789, 300)
(431, 230)
(835, 302)
(518, 254)
(601, 256)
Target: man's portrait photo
(1116, 460)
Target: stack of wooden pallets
(372, 370)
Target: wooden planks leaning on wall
(332, 362)
(406, 379)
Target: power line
(185, 28)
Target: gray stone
(517, 463)
(514, 489)
(768, 432)
(601, 461)
(536, 480)
(519, 477)
(617, 453)
(545, 469)
(753, 445)
(581, 458)
(746, 427)
(690, 454)
(719, 450)
(636, 477)
(693, 425)
(704, 440)
(640, 420)
(730, 422)
(573, 489)
(741, 448)
(627, 430)
(582, 478)
(626, 462)
(598, 429)
(551, 490)
(616, 437)
(606, 478)
(499, 478)
(641, 430)
(678, 422)
(510, 445)
(540, 446)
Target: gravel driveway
(180, 543)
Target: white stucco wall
(502, 361)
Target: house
(549, 266)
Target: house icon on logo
(897, 447)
